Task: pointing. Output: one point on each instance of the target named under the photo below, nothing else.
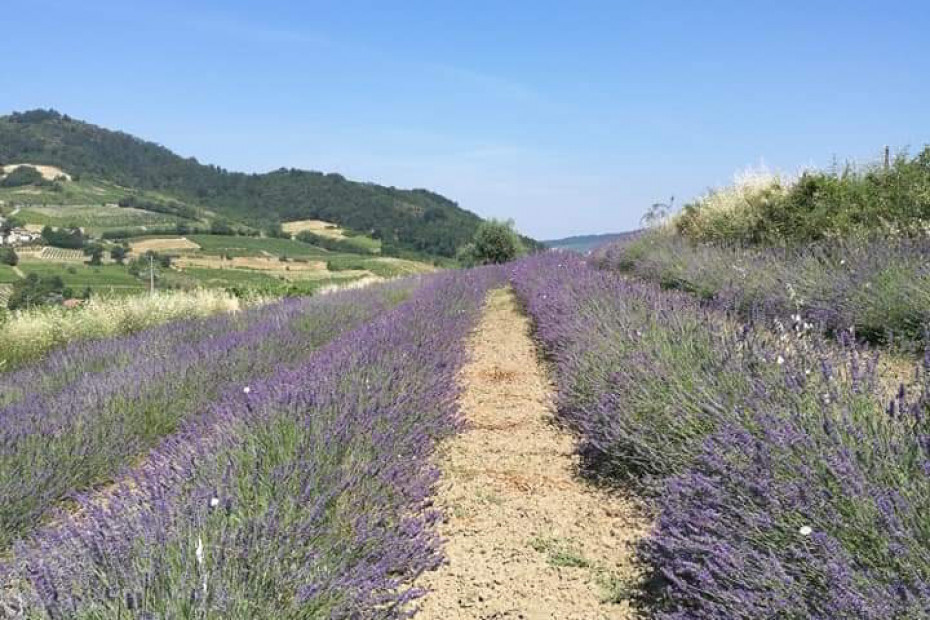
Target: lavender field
(786, 479)
(878, 288)
(269, 464)
(279, 462)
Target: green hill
(404, 220)
(585, 243)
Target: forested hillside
(413, 220)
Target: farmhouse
(20, 236)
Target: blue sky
(569, 117)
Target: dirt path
(525, 538)
(19, 272)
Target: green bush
(818, 205)
(8, 256)
(23, 175)
(495, 242)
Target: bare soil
(525, 537)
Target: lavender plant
(306, 495)
(784, 482)
(73, 420)
(879, 288)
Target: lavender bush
(74, 419)
(784, 481)
(879, 288)
(306, 495)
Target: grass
(560, 553)
(79, 276)
(7, 275)
(817, 205)
(94, 218)
(256, 246)
(29, 334)
(381, 267)
(83, 192)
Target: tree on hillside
(8, 256)
(23, 175)
(37, 291)
(494, 242)
(95, 252)
(70, 238)
(118, 254)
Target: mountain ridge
(417, 220)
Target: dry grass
(163, 245)
(28, 334)
(317, 227)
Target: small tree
(8, 256)
(118, 254)
(37, 291)
(95, 252)
(658, 214)
(494, 242)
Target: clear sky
(569, 117)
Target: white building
(20, 236)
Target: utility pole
(151, 274)
(887, 157)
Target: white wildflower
(805, 530)
(214, 502)
(780, 360)
(199, 552)
(246, 390)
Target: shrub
(23, 175)
(8, 256)
(762, 208)
(494, 242)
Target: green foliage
(819, 205)
(8, 256)
(350, 245)
(95, 252)
(170, 207)
(23, 175)
(37, 290)
(495, 242)
(8, 224)
(69, 238)
(119, 253)
(410, 220)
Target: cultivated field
(162, 244)
(324, 229)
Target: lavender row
(878, 288)
(57, 443)
(784, 481)
(307, 495)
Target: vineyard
(62, 254)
